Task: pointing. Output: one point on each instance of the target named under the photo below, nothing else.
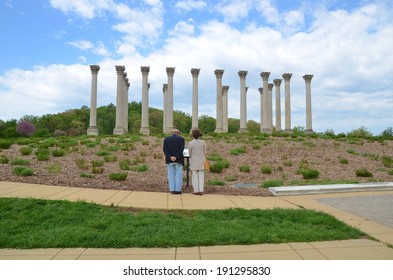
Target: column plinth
(93, 130)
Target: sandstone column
(145, 101)
(225, 90)
(307, 79)
(169, 117)
(125, 103)
(195, 74)
(287, 79)
(277, 83)
(93, 130)
(261, 108)
(243, 101)
(118, 130)
(265, 110)
(219, 73)
(270, 103)
(164, 109)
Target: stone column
(265, 110)
(243, 101)
(225, 90)
(125, 103)
(118, 130)
(93, 130)
(219, 73)
(145, 101)
(307, 79)
(169, 117)
(261, 110)
(164, 107)
(195, 74)
(270, 101)
(277, 83)
(287, 79)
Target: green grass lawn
(34, 223)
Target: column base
(144, 130)
(243, 130)
(193, 128)
(266, 130)
(278, 130)
(167, 130)
(219, 130)
(92, 130)
(118, 130)
(288, 131)
(309, 131)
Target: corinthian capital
(270, 86)
(242, 74)
(260, 90)
(277, 82)
(94, 69)
(170, 71)
(145, 70)
(195, 72)
(265, 76)
(219, 73)
(308, 78)
(120, 69)
(164, 88)
(287, 76)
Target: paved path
(377, 225)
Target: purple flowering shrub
(25, 128)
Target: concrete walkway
(336, 204)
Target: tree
(25, 128)
(207, 124)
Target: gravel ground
(284, 155)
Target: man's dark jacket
(174, 146)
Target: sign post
(187, 157)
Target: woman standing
(197, 152)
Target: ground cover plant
(289, 159)
(34, 223)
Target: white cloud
(82, 44)
(182, 27)
(188, 5)
(234, 10)
(85, 8)
(270, 12)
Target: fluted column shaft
(277, 83)
(243, 101)
(307, 79)
(93, 130)
(169, 117)
(225, 90)
(145, 101)
(287, 79)
(119, 98)
(219, 73)
(164, 109)
(195, 74)
(261, 108)
(125, 103)
(270, 105)
(265, 110)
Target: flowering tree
(25, 128)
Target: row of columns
(266, 113)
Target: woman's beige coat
(197, 153)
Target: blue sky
(47, 46)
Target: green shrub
(113, 148)
(110, 158)
(19, 161)
(125, 164)
(216, 183)
(55, 168)
(42, 156)
(118, 176)
(140, 168)
(308, 173)
(5, 144)
(4, 159)
(81, 163)
(352, 152)
(387, 161)
(23, 171)
(102, 153)
(238, 151)
(272, 183)
(266, 169)
(25, 151)
(344, 161)
(97, 170)
(58, 152)
(390, 172)
(244, 168)
(86, 175)
(363, 172)
(217, 167)
(97, 163)
(231, 178)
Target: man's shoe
(177, 192)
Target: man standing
(173, 149)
